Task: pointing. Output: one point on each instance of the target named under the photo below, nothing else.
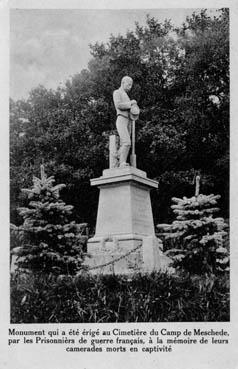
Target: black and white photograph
(119, 184)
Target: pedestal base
(125, 240)
(124, 254)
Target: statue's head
(126, 83)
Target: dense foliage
(148, 298)
(181, 83)
(198, 235)
(50, 241)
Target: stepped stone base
(125, 241)
(125, 254)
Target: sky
(48, 46)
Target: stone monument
(125, 240)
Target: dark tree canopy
(181, 83)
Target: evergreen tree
(50, 241)
(199, 236)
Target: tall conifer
(198, 235)
(50, 241)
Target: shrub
(156, 297)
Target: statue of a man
(123, 106)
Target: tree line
(181, 83)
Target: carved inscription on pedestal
(142, 213)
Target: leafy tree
(50, 241)
(202, 98)
(181, 83)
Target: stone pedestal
(125, 240)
